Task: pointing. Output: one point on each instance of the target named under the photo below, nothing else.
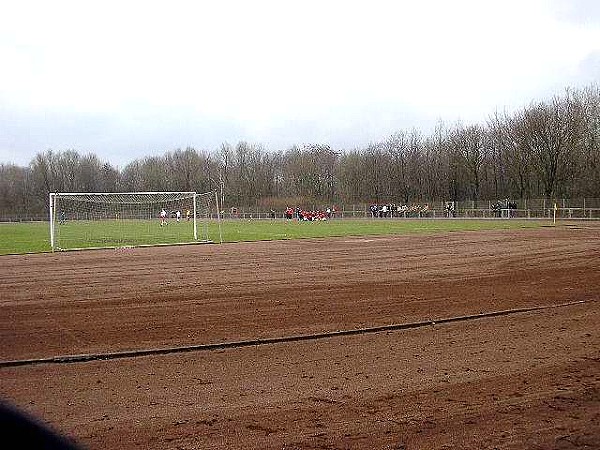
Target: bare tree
(352, 176)
(375, 166)
(110, 178)
(469, 143)
(548, 148)
(183, 167)
(588, 102)
(511, 157)
(437, 164)
(148, 174)
(552, 132)
(88, 174)
(397, 147)
(16, 199)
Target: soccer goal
(131, 219)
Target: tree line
(547, 149)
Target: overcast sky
(127, 79)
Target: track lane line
(70, 359)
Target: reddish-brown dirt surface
(525, 380)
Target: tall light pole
(218, 206)
(222, 186)
(335, 155)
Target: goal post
(129, 219)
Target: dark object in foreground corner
(20, 430)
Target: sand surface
(528, 378)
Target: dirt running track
(524, 380)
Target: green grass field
(34, 237)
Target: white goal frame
(157, 196)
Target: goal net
(106, 220)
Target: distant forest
(548, 149)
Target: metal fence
(584, 209)
(488, 209)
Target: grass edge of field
(376, 228)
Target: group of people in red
(302, 214)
